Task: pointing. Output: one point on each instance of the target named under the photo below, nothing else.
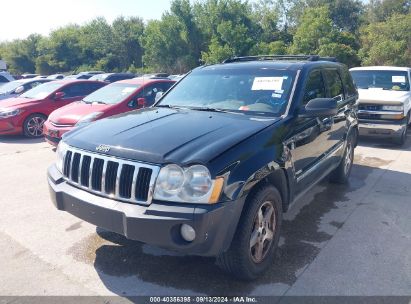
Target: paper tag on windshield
(400, 79)
(267, 83)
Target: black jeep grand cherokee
(212, 166)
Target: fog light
(188, 233)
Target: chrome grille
(111, 177)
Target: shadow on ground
(20, 139)
(115, 258)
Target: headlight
(61, 153)
(88, 118)
(6, 113)
(393, 108)
(191, 185)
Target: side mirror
(59, 96)
(141, 102)
(19, 90)
(158, 96)
(319, 107)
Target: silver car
(18, 87)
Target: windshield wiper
(94, 101)
(167, 106)
(208, 109)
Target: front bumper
(10, 126)
(158, 224)
(382, 128)
(54, 134)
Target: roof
(292, 65)
(381, 68)
(26, 80)
(70, 80)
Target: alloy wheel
(263, 231)
(35, 126)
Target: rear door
(335, 90)
(75, 92)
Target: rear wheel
(341, 174)
(253, 247)
(33, 125)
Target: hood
(73, 112)
(161, 135)
(379, 96)
(17, 102)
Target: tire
(244, 260)
(33, 125)
(400, 140)
(342, 173)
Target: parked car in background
(112, 77)
(158, 75)
(5, 77)
(55, 76)
(27, 113)
(85, 75)
(177, 77)
(210, 169)
(119, 97)
(27, 76)
(3, 66)
(18, 87)
(385, 101)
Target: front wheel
(400, 140)
(253, 247)
(341, 174)
(33, 125)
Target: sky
(20, 18)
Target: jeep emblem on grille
(103, 148)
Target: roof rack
(281, 57)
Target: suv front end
(169, 206)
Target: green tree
(228, 28)
(316, 34)
(165, 48)
(127, 34)
(381, 10)
(21, 54)
(60, 52)
(387, 43)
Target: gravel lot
(338, 240)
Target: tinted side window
(334, 84)
(150, 92)
(3, 79)
(91, 87)
(314, 87)
(349, 86)
(73, 90)
(166, 86)
(34, 84)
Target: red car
(118, 97)
(27, 113)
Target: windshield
(252, 91)
(42, 91)
(386, 80)
(112, 94)
(10, 86)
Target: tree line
(192, 33)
